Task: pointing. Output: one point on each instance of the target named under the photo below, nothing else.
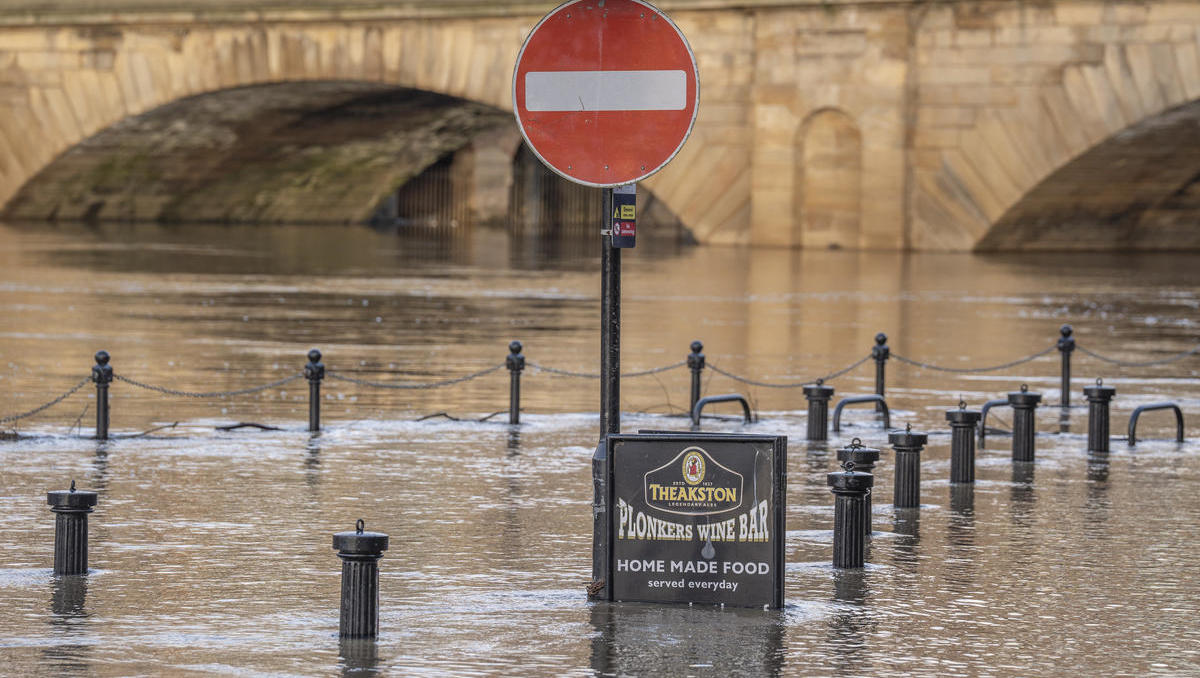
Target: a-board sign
(606, 91)
(696, 518)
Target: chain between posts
(432, 384)
(1147, 363)
(24, 415)
(209, 394)
(831, 376)
(594, 375)
(969, 370)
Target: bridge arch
(829, 180)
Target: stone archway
(829, 190)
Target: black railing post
(880, 352)
(314, 370)
(962, 443)
(71, 508)
(862, 457)
(1024, 404)
(908, 445)
(849, 489)
(1066, 345)
(515, 362)
(818, 396)
(695, 363)
(360, 552)
(1098, 397)
(102, 374)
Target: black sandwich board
(696, 518)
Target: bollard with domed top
(1024, 403)
(71, 508)
(908, 445)
(695, 363)
(880, 352)
(515, 362)
(1066, 345)
(1098, 398)
(962, 442)
(314, 370)
(849, 489)
(863, 458)
(818, 396)
(360, 552)
(102, 375)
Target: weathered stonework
(848, 123)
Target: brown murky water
(210, 550)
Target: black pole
(695, 362)
(71, 508)
(880, 352)
(818, 396)
(1066, 345)
(610, 390)
(849, 513)
(962, 443)
(908, 445)
(515, 363)
(315, 371)
(1024, 403)
(360, 552)
(864, 458)
(1098, 397)
(102, 374)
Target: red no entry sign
(606, 91)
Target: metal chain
(434, 384)
(210, 394)
(52, 403)
(969, 370)
(596, 375)
(1147, 363)
(795, 384)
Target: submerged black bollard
(1066, 345)
(863, 458)
(515, 362)
(1024, 403)
(314, 370)
(71, 508)
(962, 443)
(908, 445)
(102, 374)
(818, 396)
(695, 363)
(1098, 397)
(880, 352)
(360, 553)
(850, 489)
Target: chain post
(695, 362)
(1066, 345)
(102, 375)
(880, 352)
(315, 372)
(515, 362)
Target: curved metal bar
(873, 398)
(1133, 419)
(727, 398)
(983, 416)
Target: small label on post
(624, 218)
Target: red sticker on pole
(606, 91)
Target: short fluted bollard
(1098, 396)
(908, 445)
(515, 362)
(102, 375)
(360, 552)
(849, 489)
(864, 459)
(818, 396)
(314, 371)
(1024, 403)
(71, 508)
(962, 443)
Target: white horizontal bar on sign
(605, 91)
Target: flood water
(210, 550)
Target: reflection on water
(212, 547)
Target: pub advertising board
(696, 518)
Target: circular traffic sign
(606, 91)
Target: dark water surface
(210, 550)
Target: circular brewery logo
(693, 467)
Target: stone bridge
(883, 124)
